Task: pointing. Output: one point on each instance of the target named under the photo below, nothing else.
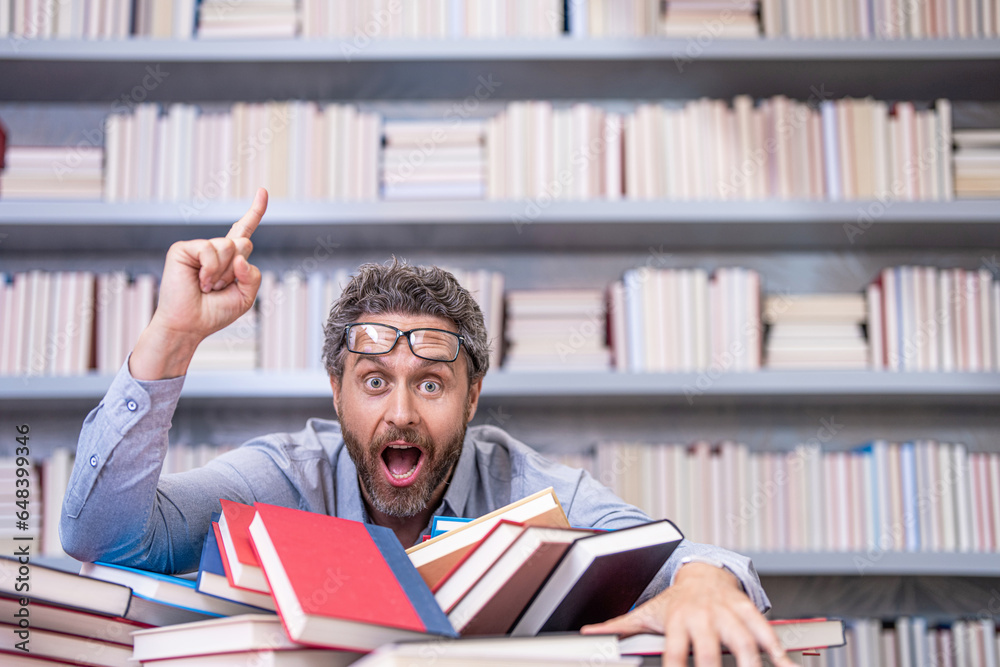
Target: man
(406, 352)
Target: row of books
(823, 150)
(880, 19)
(299, 150)
(929, 319)
(914, 496)
(70, 322)
(371, 19)
(683, 320)
(653, 320)
(784, 149)
(915, 641)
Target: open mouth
(401, 461)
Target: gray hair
(402, 289)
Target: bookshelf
(778, 407)
(458, 225)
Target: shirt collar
(456, 497)
(350, 504)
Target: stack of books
(363, 20)
(52, 172)
(928, 319)
(718, 19)
(680, 320)
(253, 19)
(68, 19)
(556, 330)
(433, 160)
(977, 163)
(810, 331)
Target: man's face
(403, 418)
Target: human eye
(430, 386)
(374, 383)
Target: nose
(401, 411)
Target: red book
(242, 567)
(342, 584)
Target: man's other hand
(703, 610)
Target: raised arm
(113, 509)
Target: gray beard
(407, 501)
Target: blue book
(911, 516)
(165, 589)
(212, 579)
(442, 524)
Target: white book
(612, 133)
(6, 12)
(949, 520)
(34, 323)
(995, 318)
(987, 360)
(84, 322)
(963, 499)
(7, 324)
(875, 327)
(17, 357)
(972, 318)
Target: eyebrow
(424, 363)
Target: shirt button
(93, 461)
(132, 406)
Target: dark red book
(342, 584)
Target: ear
(474, 390)
(335, 386)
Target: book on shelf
(236, 547)
(214, 574)
(437, 556)
(342, 584)
(600, 577)
(562, 329)
(812, 331)
(917, 496)
(935, 319)
(166, 589)
(808, 634)
(497, 594)
(52, 172)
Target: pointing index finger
(245, 226)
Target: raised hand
(207, 284)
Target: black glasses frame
(401, 333)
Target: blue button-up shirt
(118, 508)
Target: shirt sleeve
(595, 505)
(117, 508)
